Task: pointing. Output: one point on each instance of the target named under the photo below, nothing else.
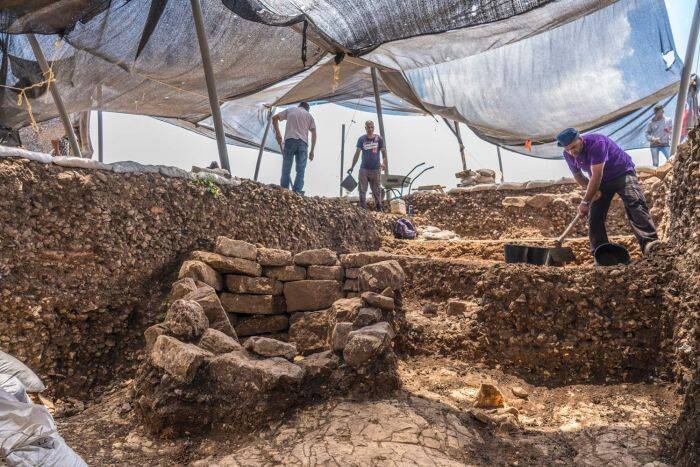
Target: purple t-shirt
(596, 150)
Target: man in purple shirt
(610, 171)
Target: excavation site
(174, 327)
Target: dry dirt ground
(431, 421)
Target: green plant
(212, 188)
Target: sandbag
(13, 386)
(9, 365)
(81, 163)
(6, 151)
(133, 167)
(174, 172)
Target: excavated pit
(597, 365)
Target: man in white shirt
(659, 134)
(295, 144)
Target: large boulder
(367, 317)
(285, 273)
(252, 304)
(340, 335)
(178, 359)
(310, 295)
(218, 343)
(380, 301)
(332, 273)
(151, 334)
(246, 377)
(378, 276)
(235, 248)
(274, 257)
(200, 271)
(263, 324)
(343, 310)
(357, 260)
(227, 264)
(541, 200)
(320, 256)
(309, 331)
(515, 201)
(367, 345)
(186, 286)
(253, 285)
(186, 319)
(266, 347)
(319, 371)
(211, 305)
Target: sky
(410, 141)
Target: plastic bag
(9, 365)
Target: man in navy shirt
(611, 171)
(370, 145)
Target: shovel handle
(568, 229)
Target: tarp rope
(22, 97)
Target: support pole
(500, 162)
(685, 79)
(44, 65)
(262, 145)
(461, 145)
(342, 156)
(378, 103)
(100, 139)
(211, 84)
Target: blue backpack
(404, 229)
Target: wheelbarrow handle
(566, 232)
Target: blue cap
(566, 137)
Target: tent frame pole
(380, 117)
(211, 84)
(262, 145)
(100, 139)
(461, 145)
(500, 162)
(685, 79)
(342, 156)
(58, 101)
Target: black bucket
(525, 254)
(349, 183)
(610, 254)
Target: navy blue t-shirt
(370, 151)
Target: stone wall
(87, 256)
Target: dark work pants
(627, 186)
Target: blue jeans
(655, 150)
(294, 150)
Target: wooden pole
(500, 162)
(342, 156)
(461, 145)
(211, 84)
(378, 103)
(100, 139)
(44, 65)
(262, 145)
(685, 79)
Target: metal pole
(378, 103)
(685, 78)
(211, 84)
(461, 145)
(262, 145)
(500, 162)
(44, 65)
(342, 156)
(100, 140)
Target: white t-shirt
(299, 123)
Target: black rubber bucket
(525, 254)
(610, 254)
(349, 183)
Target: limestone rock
(367, 344)
(285, 273)
(309, 331)
(320, 257)
(252, 304)
(211, 305)
(262, 324)
(378, 300)
(186, 319)
(357, 260)
(378, 276)
(267, 347)
(333, 273)
(367, 317)
(520, 392)
(227, 264)
(339, 336)
(218, 343)
(352, 273)
(489, 397)
(343, 310)
(311, 295)
(152, 332)
(351, 285)
(241, 374)
(274, 257)
(253, 285)
(235, 248)
(182, 287)
(178, 359)
(459, 307)
(515, 201)
(318, 367)
(540, 200)
(200, 271)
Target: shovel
(556, 256)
